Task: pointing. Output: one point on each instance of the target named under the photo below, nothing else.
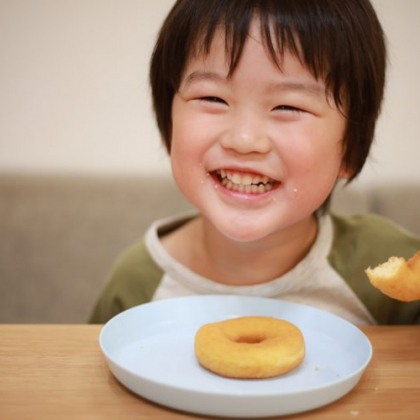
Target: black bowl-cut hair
(339, 41)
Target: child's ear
(345, 172)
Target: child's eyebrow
(313, 89)
(290, 86)
(196, 76)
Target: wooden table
(58, 372)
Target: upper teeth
(244, 178)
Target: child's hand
(398, 278)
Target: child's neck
(208, 253)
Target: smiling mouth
(245, 182)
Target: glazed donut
(398, 278)
(250, 347)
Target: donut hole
(250, 339)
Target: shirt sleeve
(132, 282)
(368, 240)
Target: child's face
(276, 129)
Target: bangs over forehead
(319, 36)
(278, 29)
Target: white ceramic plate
(150, 349)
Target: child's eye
(212, 99)
(287, 108)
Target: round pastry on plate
(250, 347)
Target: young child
(263, 106)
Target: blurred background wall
(74, 100)
(74, 96)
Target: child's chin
(244, 234)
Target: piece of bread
(398, 278)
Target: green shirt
(357, 242)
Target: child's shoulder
(133, 281)
(366, 240)
(372, 230)
(136, 262)
(363, 241)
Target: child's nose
(246, 136)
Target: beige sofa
(59, 235)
